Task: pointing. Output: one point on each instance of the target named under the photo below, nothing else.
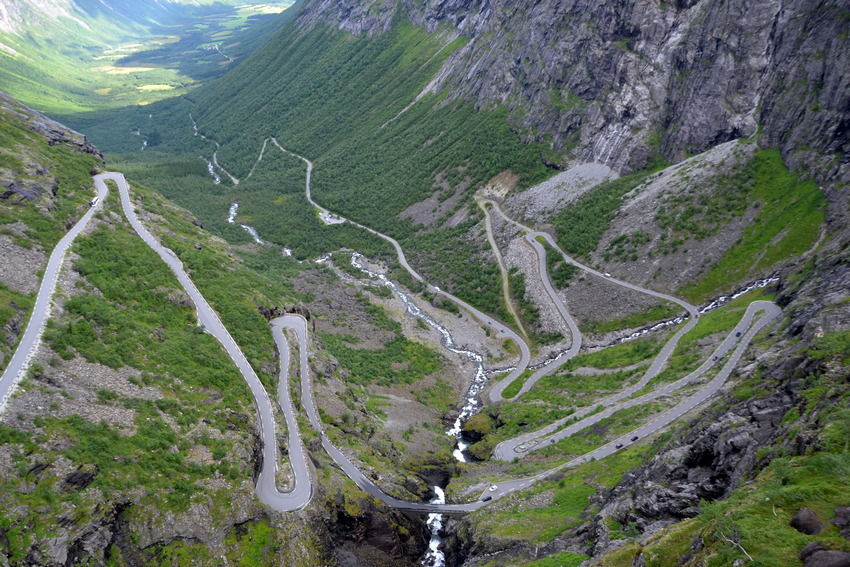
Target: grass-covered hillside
(757, 522)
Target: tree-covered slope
(352, 105)
(408, 111)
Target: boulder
(807, 522)
(814, 555)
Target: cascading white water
(211, 169)
(480, 379)
(710, 307)
(725, 298)
(231, 218)
(435, 557)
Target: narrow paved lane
(302, 490)
(769, 313)
(506, 286)
(501, 330)
(499, 387)
(520, 446)
(517, 447)
(43, 302)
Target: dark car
(486, 498)
(738, 334)
(635, 438)
(619, 445)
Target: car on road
(492, 488)
(486, 498)
(619, 445)
(607, 275)
(635, 438)
(738, 334)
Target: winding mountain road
(537, 440)
(502, 330)
(302, 490)
(547, 436)
(498, 388)
(506, 288)
(519, 446)
(748, 323)
(532, 237)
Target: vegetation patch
(62, 188)
(568, 497)
(563, 559)
(788, 222)
(660, 312)
(529, 312)
(398, 361)
(560, 271)
(378, 366)
(602, 432)
(580, 225)
(622, 354)
(516, 385)
(578, 390)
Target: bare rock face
(80, 479)
(617, 82)
(55, 132)
(707, 464)
(363, 532)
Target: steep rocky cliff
(616, 82)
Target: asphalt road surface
(43, 302)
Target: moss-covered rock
(477, 427)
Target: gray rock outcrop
(618, 82)
(814, 555)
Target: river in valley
(435, 557)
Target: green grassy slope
(789, 221)
(755, 519)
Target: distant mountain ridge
(69, 56)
